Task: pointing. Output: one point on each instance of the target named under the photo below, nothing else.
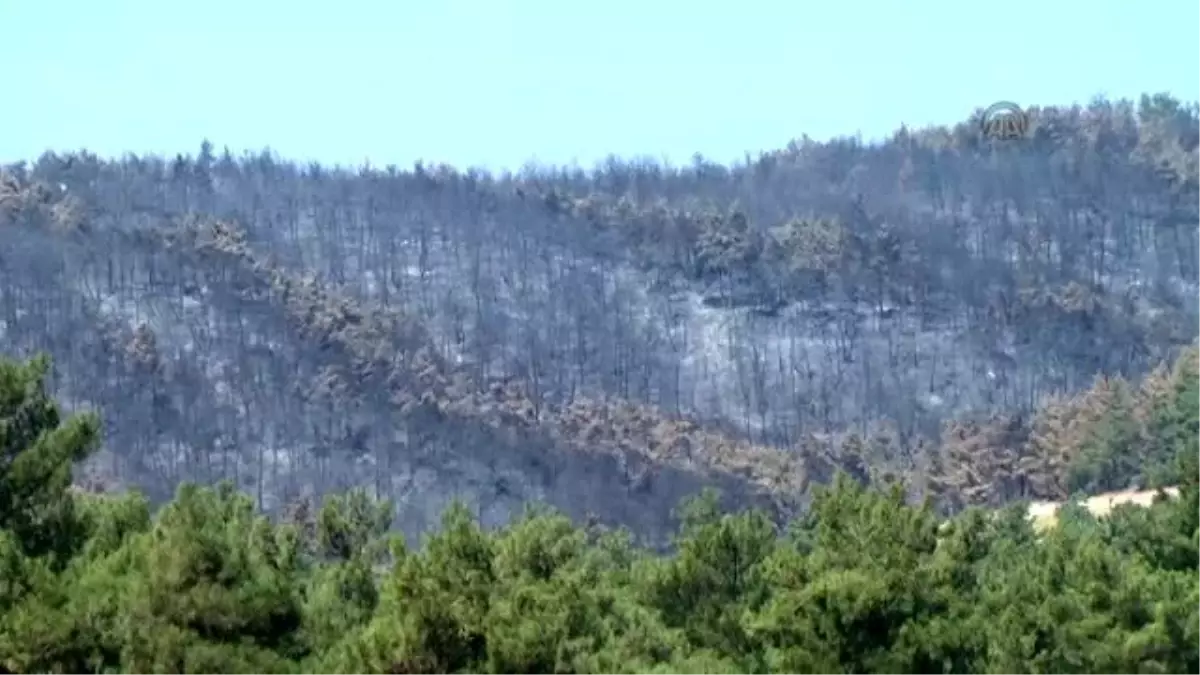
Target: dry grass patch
(1045, 514)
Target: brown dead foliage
(981, 461)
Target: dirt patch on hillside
(1045, 514)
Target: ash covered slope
(926, 277)
(210, 362)
(819, 289)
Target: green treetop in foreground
(863, 583)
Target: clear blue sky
(496, 83)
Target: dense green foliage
(862, 583)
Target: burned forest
(937, 311)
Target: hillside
(612, 341)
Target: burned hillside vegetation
(937, 311)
